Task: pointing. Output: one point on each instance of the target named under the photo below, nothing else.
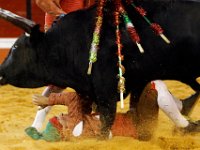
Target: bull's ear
(36, 36)
(19, 21)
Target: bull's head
(18, 68)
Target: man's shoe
(33, 133)
(192, 127)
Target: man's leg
(171, 107)
(41, 114)
(51, 133)
(186, 105)
(57, 126)
(147, 113)
(48, 21)
(168, 105)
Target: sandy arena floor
(17, 113)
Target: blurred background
(9, 32)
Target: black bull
(60, 56)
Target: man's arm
(65, 98)
(70, 99)
(50, 6)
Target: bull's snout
(1, 78)
(2, 81)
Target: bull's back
(180, 21)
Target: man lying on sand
(140, 125)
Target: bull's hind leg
(134, 99)
(189, 103)
(135, 95)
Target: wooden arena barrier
(5, 45)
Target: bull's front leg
(107, 109)
(134, 97)
(105, 88)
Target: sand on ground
(17, 112)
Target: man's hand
(40, 100)
(50, 6)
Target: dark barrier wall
(8, 30)
(18, 7)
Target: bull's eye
(14, 47)
(27, 34)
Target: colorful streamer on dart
(96, 36)
(155, 27)
(131, 29)
(121, 82)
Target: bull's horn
(19, 21)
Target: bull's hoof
(105, 136)
(145, 136)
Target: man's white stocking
(41, 114)
(40, 117)
(169, 105)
